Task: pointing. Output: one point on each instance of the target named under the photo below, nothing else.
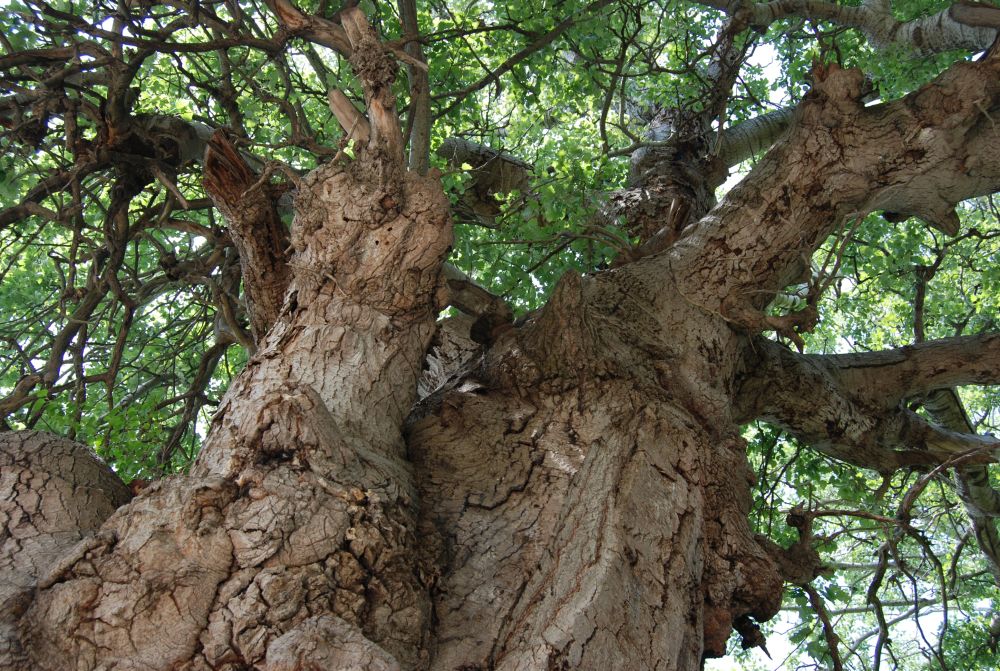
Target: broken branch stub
(255, 227)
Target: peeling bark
(256, 228)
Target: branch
(313, 28)
(894, 375)
(467, 296)
(753, 136)
(419, 122)
(968, 26)
(354, 123)
(255, 227)
(807, 396)
(972, 484)
(377, 73)
(838, 161)
(493, 173)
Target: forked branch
(868, 426)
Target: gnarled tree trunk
(576, 496)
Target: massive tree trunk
(575, 496)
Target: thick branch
(255, 227)
(963, 26)
(890, 376)
(920, 156)
(354, 123)
(972, 483)
(493, 173)
(377, 71)
(462, 292)
(753, 136)
(807, 396)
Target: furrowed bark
(578, 494)
(256, 228)
(840, 160)
(54, 495)
(292, 541)
(604, 470)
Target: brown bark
(54, 494)
(919, 156)
(577, 493)
(600, 511)
(301, 504)
(852, 406)
(258, 233)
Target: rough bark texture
(600, 511)
(54, 494)
(577, 493)
(301, 503)
(260, 236)
(295, 528)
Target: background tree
(227, 242)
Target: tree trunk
(576, 497)
(579, 496)
(55, 495)
(587, 493)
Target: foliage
(121, 322)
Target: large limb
(913, 371)
(493, 173)
(969, 26)
(826, 402)
(674, 173)
(919, 155)
(312, 27)
(850, 406)
(752, 136)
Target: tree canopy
(123, 317)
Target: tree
(572, 488)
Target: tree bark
(577, 493)
(54, 495)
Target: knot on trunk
(836, 96)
